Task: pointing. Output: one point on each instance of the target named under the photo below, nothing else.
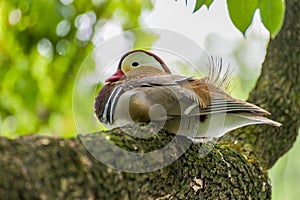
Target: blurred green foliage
(42, 45)
(285, 175)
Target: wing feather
(193, 96)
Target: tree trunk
(278, 91)
(39, 167)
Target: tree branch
(44, 167)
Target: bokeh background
(44, 42)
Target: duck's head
(139, 63)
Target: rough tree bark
(39, 167)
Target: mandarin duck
(143, 90)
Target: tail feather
(258, 118)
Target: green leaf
(272, 15)
(241, 13)
(200, 3)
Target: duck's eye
(135, 64)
